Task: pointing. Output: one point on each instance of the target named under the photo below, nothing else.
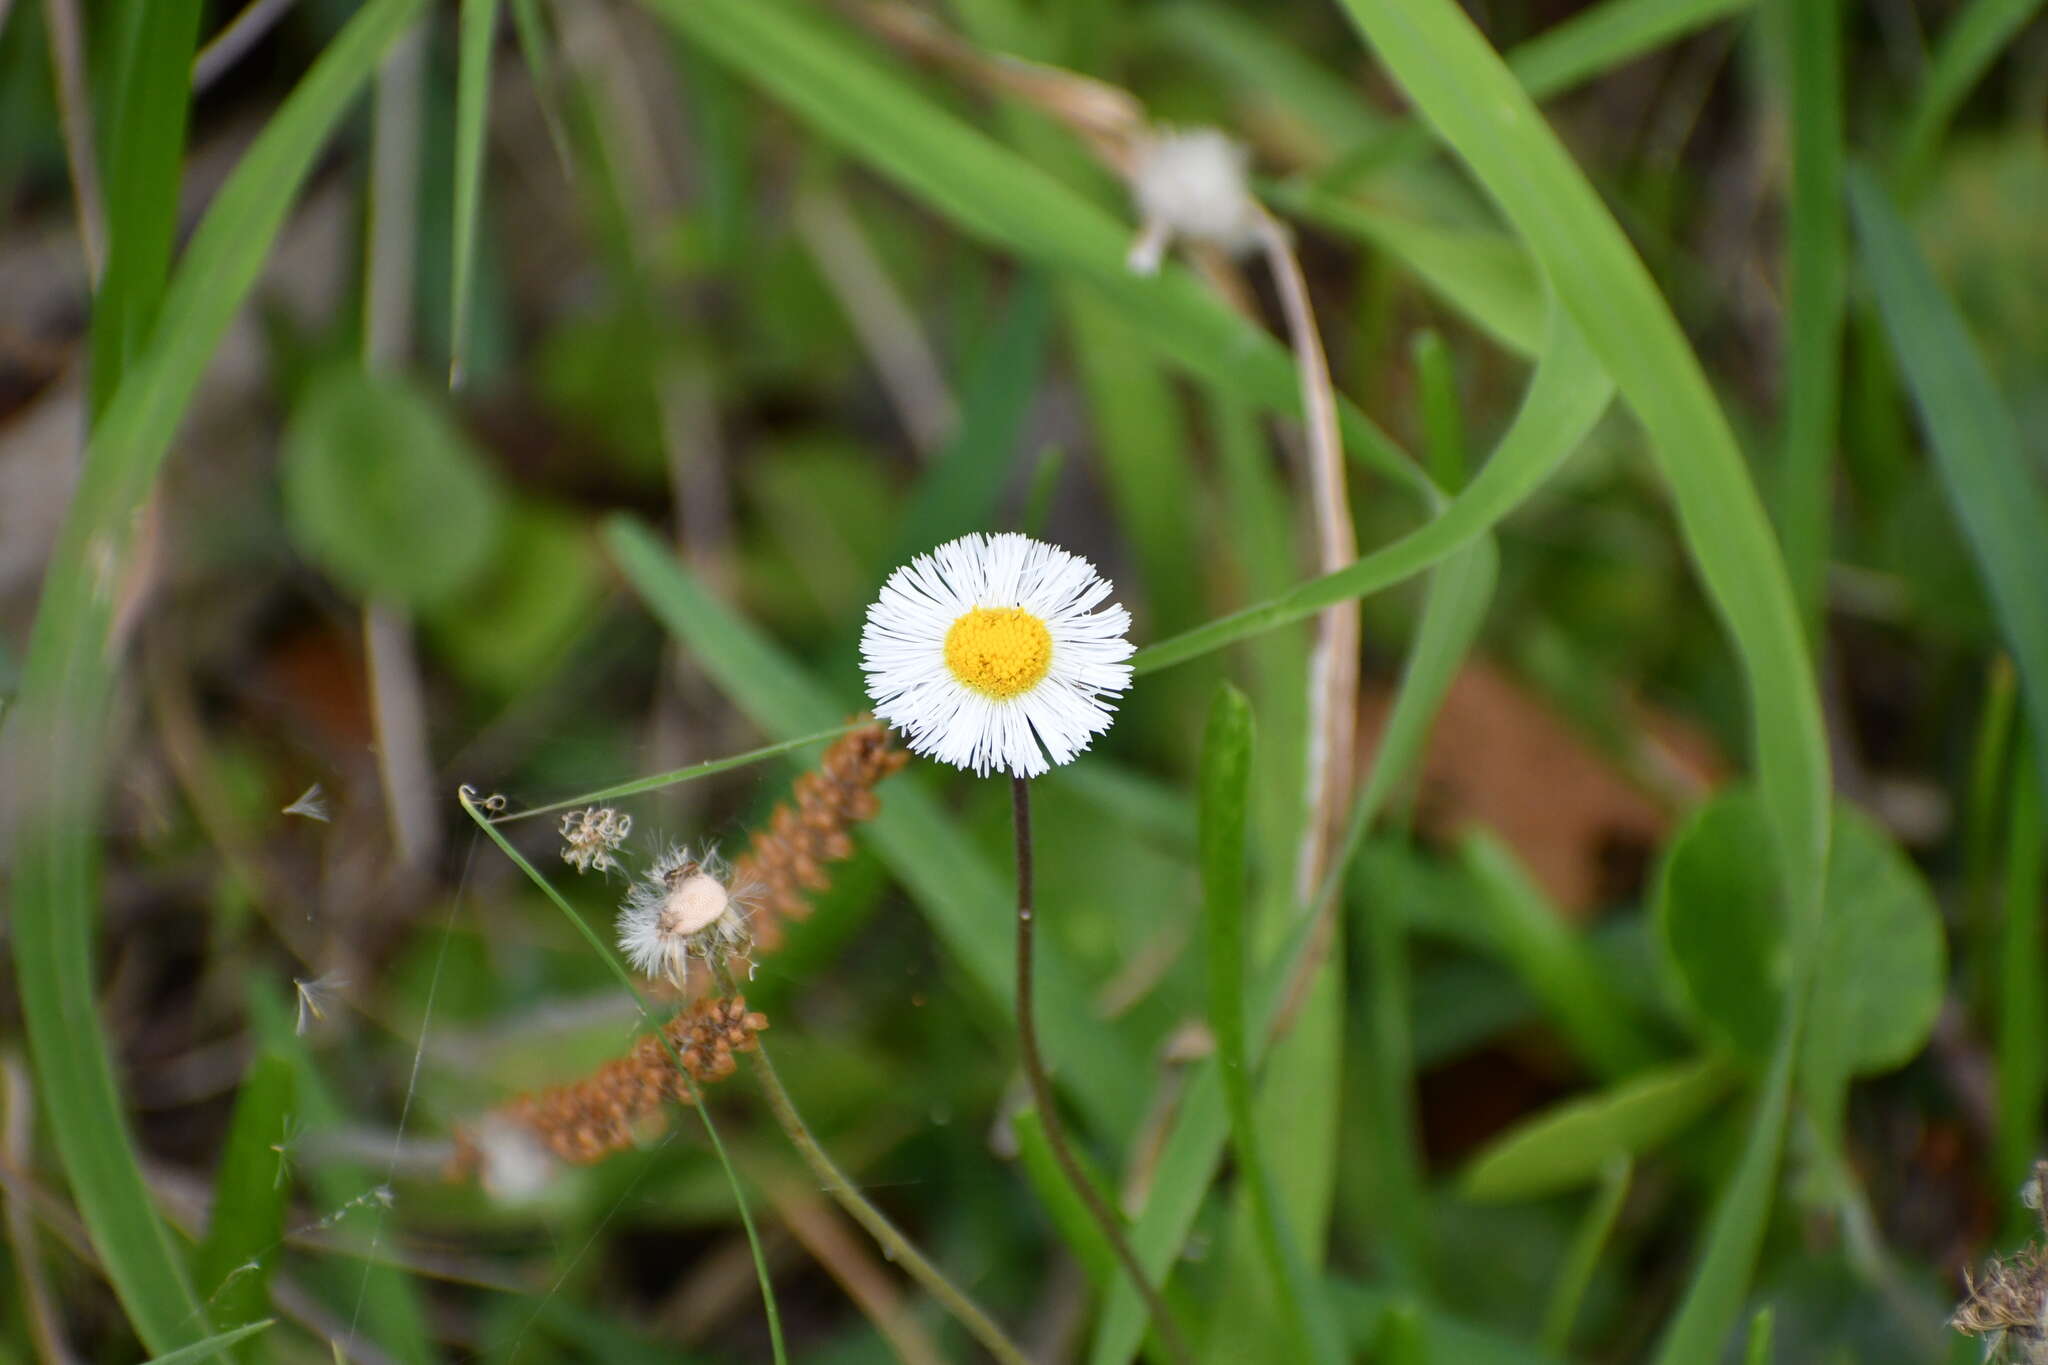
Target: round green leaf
(384, 492)
(1721, 924)
(1878, 983)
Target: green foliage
(246, 1231)
(1578, 1142)
(384, 492)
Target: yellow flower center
(999, 651)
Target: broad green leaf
(1878, 983)
(58, 723)
(245, 1235)
(384, 492)
(1990, 479)
(967, 903)
(1573, 1144)
(1466, 92)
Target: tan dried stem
(74, 109)
(832, 1244)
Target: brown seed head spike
(607, 1111)
(786, 860)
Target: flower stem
(1042, 1096)
(894, 1244)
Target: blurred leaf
(143, 110)
(384, 492)
(1991, 484)
(1604, 36)
(245, 1236)
(1878, 983)
(479, 25)
(1595, 1227)
(1722, 926)
(1574, 1143)
(518, 617)
(1969, 44)
(209, 1349)
(57, 729)
(1556, 962)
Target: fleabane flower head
(996, 653)
(1191, 183)
(684, 906)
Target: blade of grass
(1815, 288)
(1758, 1350)
(1584, 1257)
(1483, 273)
(59, 718)
(1602, 37)
(1225, 796)
(1565, 397)
(1968, 46)
(647, 1014)
(210, 1348)
(391, 1307)
(1463, 88)
(143, 111)
(1554, 962)
(1990, 757)
(479, 26)
(952, 882)
(825, 74)
(2022, 994)
(688, 774)
(532, 32)
(1984, 466)
(1442, 424)
(1452, 612)
(235, 1261)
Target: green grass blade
(148, 98)
(1758, 1349)
(1968, 46)
(1554, 962)
(1457, 600)
(1465, 90)
(2022, 994)
(687, 774)
(1484, 274)
(1584, 1257)
(1984, 466)
(1565, 397)
(625, 979)
(966, 902)
(58, 721)
(960, 491)
(1443, 423)
(1816, 284)
(823, 73)
(1225, 802)
(245, 1233)
(1604, 36)
(1572, 1144)
(391, 1314)
(209, 1349)
(479, 25)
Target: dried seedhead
(785, 861)
(2007, 1302)
(591, 838)
(610, 1109)
(687, 906)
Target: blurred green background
(749, 301)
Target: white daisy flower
(991, 653)
(684, 907)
